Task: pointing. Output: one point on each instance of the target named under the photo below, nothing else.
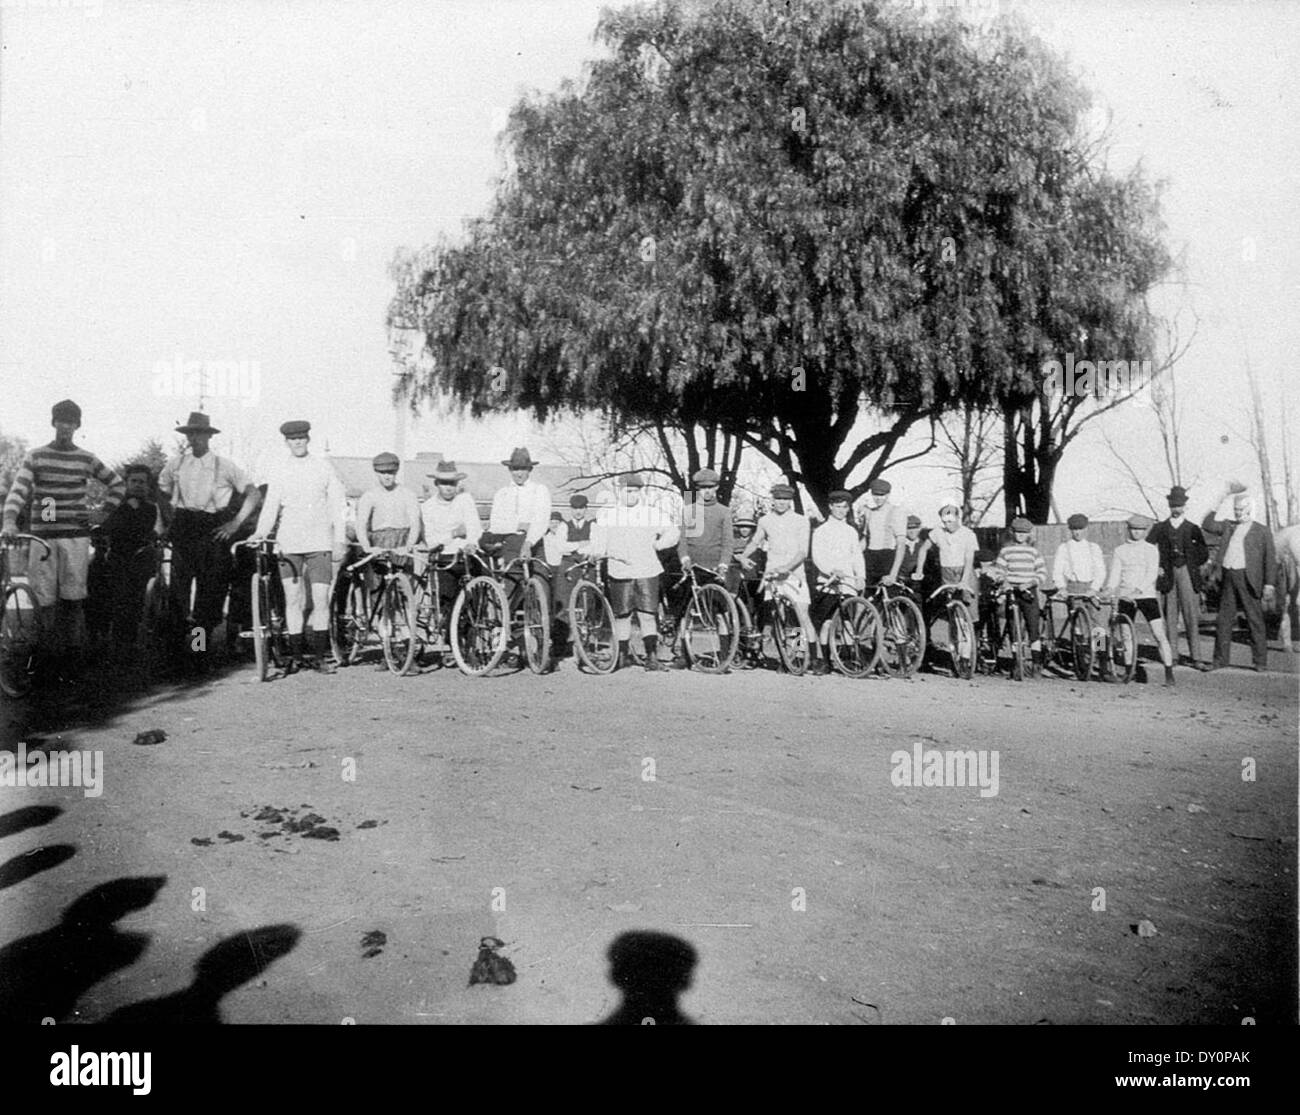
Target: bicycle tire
(961, 630)
(749, 652)
(159, 625)
(1019, 644)
(1082, 649)
(1123, 648)
(537, 625)
(791, 642)
(856, 637)
(591, 623)
(480, 630)
(711, 630)
(19, 639)
(905, 627)
(397, 626)
(349, 619)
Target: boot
(820, 666)
(625, 659)
(322, 660)
(652, 653)
(295, 654)
(1036, 663)
(1169, 677)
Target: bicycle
(857, 633)
(357, 611)
(904, 628)
(591, 619)
(1009, 598)
(483, 621)
(1120, 647)
(792, 650)
(962, 649)
(432, 624)
(750, 612)
(269, 634)
(19, 624)
(1077, 650)
(162, 623)
(708, 632)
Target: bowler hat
(66, 411)
(296, 428)
(519, 458)
(445, 472)
(1177, 496)
(198, 423)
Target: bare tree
(1259, 442)
(1288, 470)
(970, 435)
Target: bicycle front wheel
(791, 641)
(397, 625)
(962, 633)
(1081, 645)
(1123, 648)
(537, 625)
(591, 621)
(856, 637)
(904, 635)
(261, 633)
(1019, 645)
(349, 620)
(159, 633)
(480, 626)
(18, 641)
(711, 631)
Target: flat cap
(578, 501)
(839, 496)
(1077, 522)
(296, 428)
(1021, 523)
(1139, 522)
(705, 478)
(782, 491)
(386, 462)
(881, 487)
(914, 520)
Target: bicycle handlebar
(942, 589)
(30, 538)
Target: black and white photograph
(650, 512)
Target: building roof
(482, 478)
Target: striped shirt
(55, 481)
(1022, 564)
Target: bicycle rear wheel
(1123, 648)
(261, 633)
(591, 621)
(904, 635)
(479, 626)
(397, 625)
(537, 625)
(962, 633)
(19, 640)
(711, 630)
(856, 637)
(788, 633)
(1081, 645)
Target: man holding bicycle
(1135, 567)
(1021, 567)
(784, 534)
(307, 499)
(841, 571)
(1080, 572)
(884, 535)
(706, 540)
(128, 564)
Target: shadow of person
(43, 975)
(27, 817)
(31, 863)
(651, 970)
(227, 965)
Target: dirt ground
(771, 838)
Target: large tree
(812, 227)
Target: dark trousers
(1235, 596)
(203, 561)
(1182, 601)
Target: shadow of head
(238, 959)
(29, 816)
(112, 901)
(651, 970)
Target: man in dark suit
(1248, 561)
(1182, 553)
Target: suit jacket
(1195, 551)
(1261, 555)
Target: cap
(578, 501)
(66, 411)
(1021, 523)
(1139, 522)
(296, 428)
(556, 517)
(950, 501)
(744, 516)
(1077, 522)
(914, 520)
(386, 462)
(881, 487)
(782, 491)
(705, 478)
(839, 496)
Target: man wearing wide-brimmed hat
(1183, 551)
(521, 510)
(198, 487)
(451, 521)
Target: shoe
(653, 664)
(679, 663)
(820, 668)
(324, 665)
(1169, 677)
(1203, 667)
(625, 660)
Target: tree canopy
(812, 226)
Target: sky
(224, 184)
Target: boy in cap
(837, 556)
(1020, 565)
(707, 536)
(197, 487)
(884, 534)
(1079, 571)
(306, 497)
(1135, 567)
(1183, 551)
(628, 536)
(52, 483)
(388, 515)
(784, 534)
(914, 551)
(955, 547)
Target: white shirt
(787, 537)
(516, 504)
(1234, 557)
(1080, 562)
(1134, 569)
(954, 547)
(837, 550)
(442, 516)
(307, 496)
(885, 526)
(387, 509)
(629, 537)
(202, 483)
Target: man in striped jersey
(1020, 565)
(53, 481)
